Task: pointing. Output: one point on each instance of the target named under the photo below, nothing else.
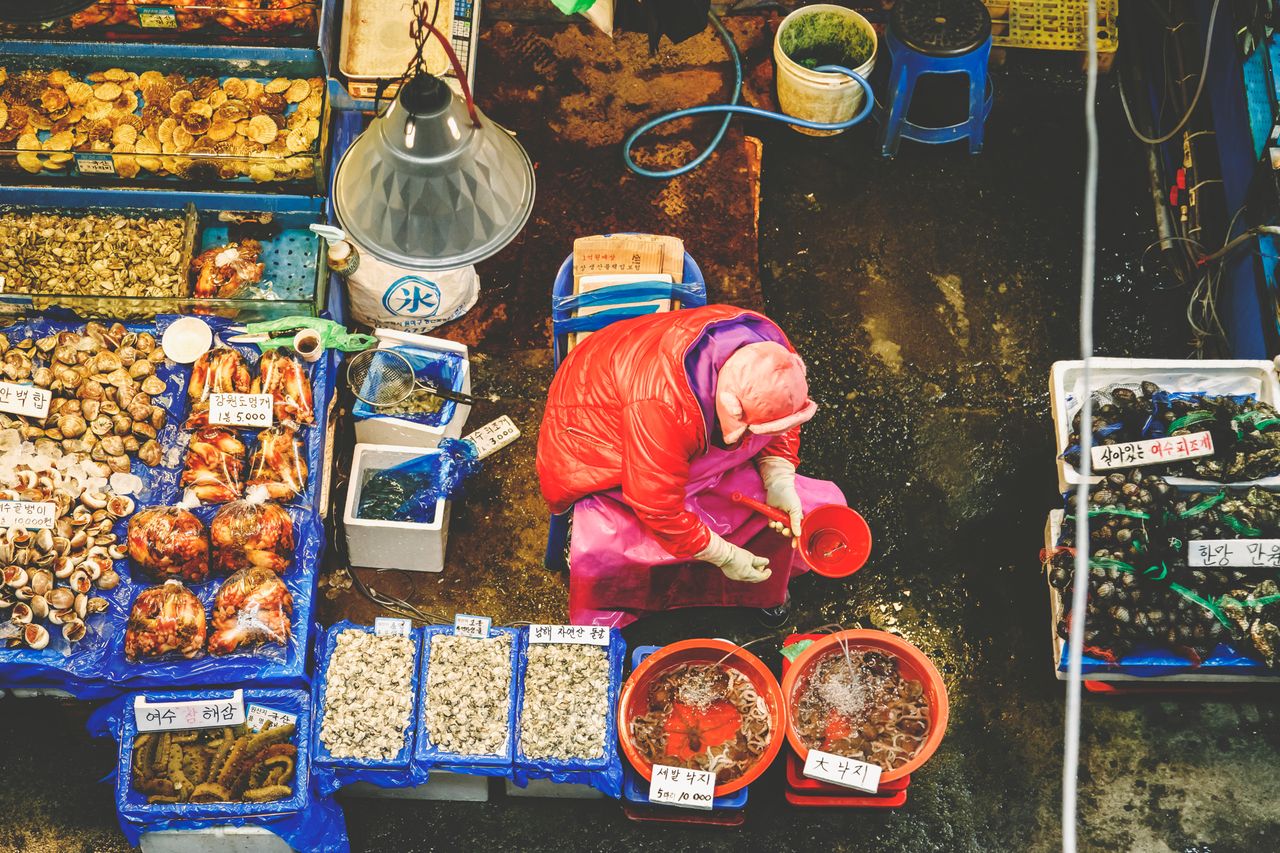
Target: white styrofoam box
(443, 785)
(1218, 376)
(214, 839)
(1052, 532)
(33, 692)
(402, 431)
(553, 790)
(392, 544)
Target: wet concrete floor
(929, 296)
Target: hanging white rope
(1080, 584)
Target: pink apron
(618, 572)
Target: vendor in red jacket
(651, 425)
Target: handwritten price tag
(846, 772)
(242, 410)
(1241, 553)
(676, 786)
(159, 17)
(28, 514)
(384, 626)
(493, 436)
(1133, 454)
(584, 635)
(258, 716)
(475, 627)
(189, 714)
(24, 400)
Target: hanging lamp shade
(426, 188)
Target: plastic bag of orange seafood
(252, 532)
(279, 464)
(214, 465)
(252, 612)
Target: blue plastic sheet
(442, 369)
(604, 773)
(306, 821)
(97, 667)
(1150, 662)
(329, 773)
(438, 473)
(427, 756)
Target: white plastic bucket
(820, 96)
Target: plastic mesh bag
(166, 621)
(253, 608)
(251, 532)
(285, 379)
(215, 465)
(278, 463)
(169, 542)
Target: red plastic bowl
(635, 694)
(912, 663)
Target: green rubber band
(1240, 527)
(1211, 606)
(1127, 513)
(1190, 418)
(1205, 505)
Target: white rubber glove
(738, 564)
(779, 477)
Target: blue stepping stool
(936, 37)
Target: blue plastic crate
(134, 806)
(332, 773)
(428, 756)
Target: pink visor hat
(762, 389)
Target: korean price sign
(584, 635)
(24, 400)
(384, 626)
(1236, 553)
(189, 714)
(242, 410)
(676, 786)
(493, 436)
(475, 627)
(157, 17)
(257, 717)
(33, 515)
(1133, 454)
(846, 772)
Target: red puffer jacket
(621, 412)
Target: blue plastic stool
(936, 37)
(692, 293)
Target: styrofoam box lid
(1215, 376)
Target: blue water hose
(733, 107)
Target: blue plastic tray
(429, 756)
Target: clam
(80, 581)
(90, 409)
(120, 505)
(24, 593)
(59, 617)
(6, 548)
(35, 636)
(105, 362)
(142, 369)
(44, 539)
(72, 425)
(109, 580)
(15, 577)
(61, 545)
(111, 445)
(120, 464)
(64, 566)
(118, 551)
(153, 385)
(73, 631)
(98, 604)
(94, 499)
(150, 453)
(60, 598)
(41, 581)
(6, 600)
(81, 605)
(21, 613)
(39, 606)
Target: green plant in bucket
(826, 38)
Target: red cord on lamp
(457, 66)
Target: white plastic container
(214, 839)
(1220, 376)
(443, 785)
(546, 788)
(392, 544)
(402, 431)
(821, 96)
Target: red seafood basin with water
(635, 695)
(912, 664)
